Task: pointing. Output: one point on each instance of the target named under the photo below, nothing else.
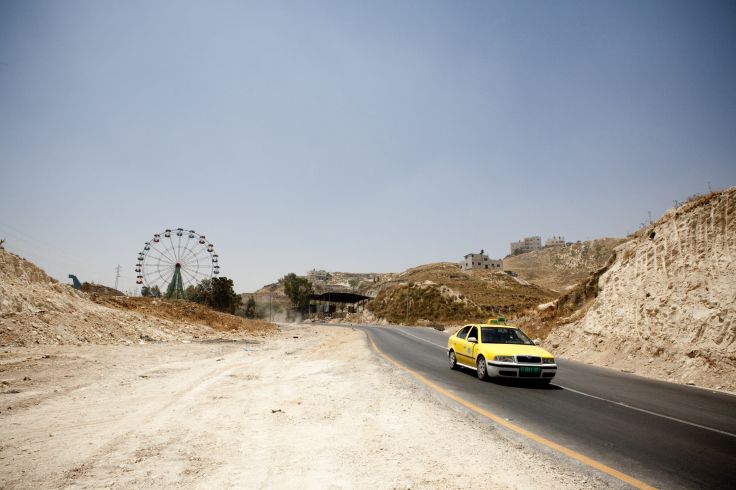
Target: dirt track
(317, 411)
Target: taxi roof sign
(497, 321)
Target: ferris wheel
(174, 260)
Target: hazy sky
(353, 136)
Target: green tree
(250, 308)
(298, 289)
(146, 292)
(224, 297)
(217, 293)
(200, 293)
(189, 292)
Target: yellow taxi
(497, 350)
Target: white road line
(423, 340)
(621, 404)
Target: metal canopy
(339, 297)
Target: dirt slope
(560, 268)
(36, 309)
(444, 293)
(181, 310)
(100, 290)
(666, 307)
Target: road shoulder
(313, 407)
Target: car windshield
(503, 335)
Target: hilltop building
(480, 261)
(554, 241)
(315, 275)
(528, 244)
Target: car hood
(516, 350)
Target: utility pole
(117, 275)
(406, 322)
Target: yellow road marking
(519, 430)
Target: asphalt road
(664, 434)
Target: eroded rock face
(667, 306)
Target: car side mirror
(536, 342)
(472, 340)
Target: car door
(458, 342)
(471, 347)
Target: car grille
(529, 359)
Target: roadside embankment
(36, 309)
(666, 305)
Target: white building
(315, 275)
(554, 241)
(528, 244)
(480, 261)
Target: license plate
(529, 370)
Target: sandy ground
(313, 407)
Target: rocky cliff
(666, 306)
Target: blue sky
(355, 136)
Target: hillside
(363, 283)
(367, 283)
(100, 290)
(666, 305)
(444, 293)
(36, 309)
(271, 299)
(560, 268)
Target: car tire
(482, 368)
(452, 359)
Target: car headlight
(504, 358)
(548, 360)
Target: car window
(502, 335)
(473, 333)
(463, 333)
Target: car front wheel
(482, 368)
(452, 360)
